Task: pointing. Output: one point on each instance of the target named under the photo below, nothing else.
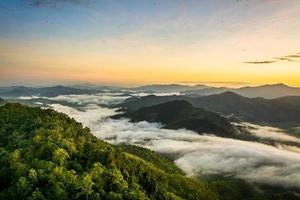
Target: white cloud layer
(268, 132)
(100, 98)
(197, 154)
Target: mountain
(47, 155)
(135, 103)
(264, 91)
(18, 91)
(167, 88)
(268, 91)
(181, 114)
(95, 87)
(279, 111)
(284, 110)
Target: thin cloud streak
(261, 62)
(39, 3)
(288, 58)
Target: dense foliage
(47, 155)
(160, 162)
(2, 102)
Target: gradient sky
(131, 42)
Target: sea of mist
(195, 154)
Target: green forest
(48, 155)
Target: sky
(135, 42)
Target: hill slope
(2, 102)
(274, 111)
(280, 111)
(47, 155)
(181, 114)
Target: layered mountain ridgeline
(168, 88)
(281, 111)
(181, 114)
(264, 91)
(135, 103)
(19, 91)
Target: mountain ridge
(279, 111)
(181, 114)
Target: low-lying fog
(195, 154)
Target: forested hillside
(47, 155)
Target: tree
(86, 186)
(60, 156)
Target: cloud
(288, 58)
(294, 56)
(260, 62)
(39, 3)
(268, 132)
(285, 59)
(100, 98)
(142, 94)
(90, 117)
(197, 154)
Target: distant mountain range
(265, 91)
(181, 114)
(168, 88)
(94, 87)
(284, 110)
(18, 91)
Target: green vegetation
(47, 155)
(2, 102)
(160, 162)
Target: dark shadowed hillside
(2, 102)
(135, 103)
(280, 111)
(274, 111)
(181, 114)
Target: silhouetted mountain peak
(277, 85)
(179, 104)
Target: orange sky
(151, 45)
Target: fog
(195, 154)
(100, 98)
(268, 132)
